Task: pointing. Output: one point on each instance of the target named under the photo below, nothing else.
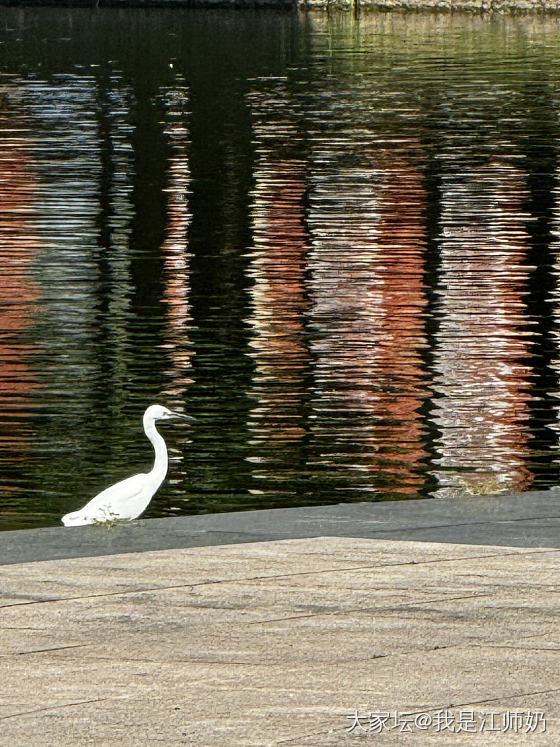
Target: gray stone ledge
(529, 519)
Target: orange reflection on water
(482, 339)
(399, 351)
(277, 266)
(366, 265)
(18, 292)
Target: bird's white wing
(124, 500)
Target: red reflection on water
(366, 265)
(278, 304)
(18, 292)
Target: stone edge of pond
(529, 519)
(479, 6)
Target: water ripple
(337, 245)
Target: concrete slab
(281, 643)
(508, 519)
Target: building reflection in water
(277, 299)
(366, 219)
(555, 307)
(178, 318)
(69, 164)
(480, 381)
(18, 291)
(357, 278)
(175, 247)
(115, 253)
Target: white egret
(127, 499)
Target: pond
(334, 241)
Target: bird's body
(127, 499)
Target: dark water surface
(335, 242)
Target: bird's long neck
(159, 470)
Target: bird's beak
(186, 418)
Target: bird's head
(158, 412)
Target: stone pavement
(278, 643)
(286, 641)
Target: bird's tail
(75, 519)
